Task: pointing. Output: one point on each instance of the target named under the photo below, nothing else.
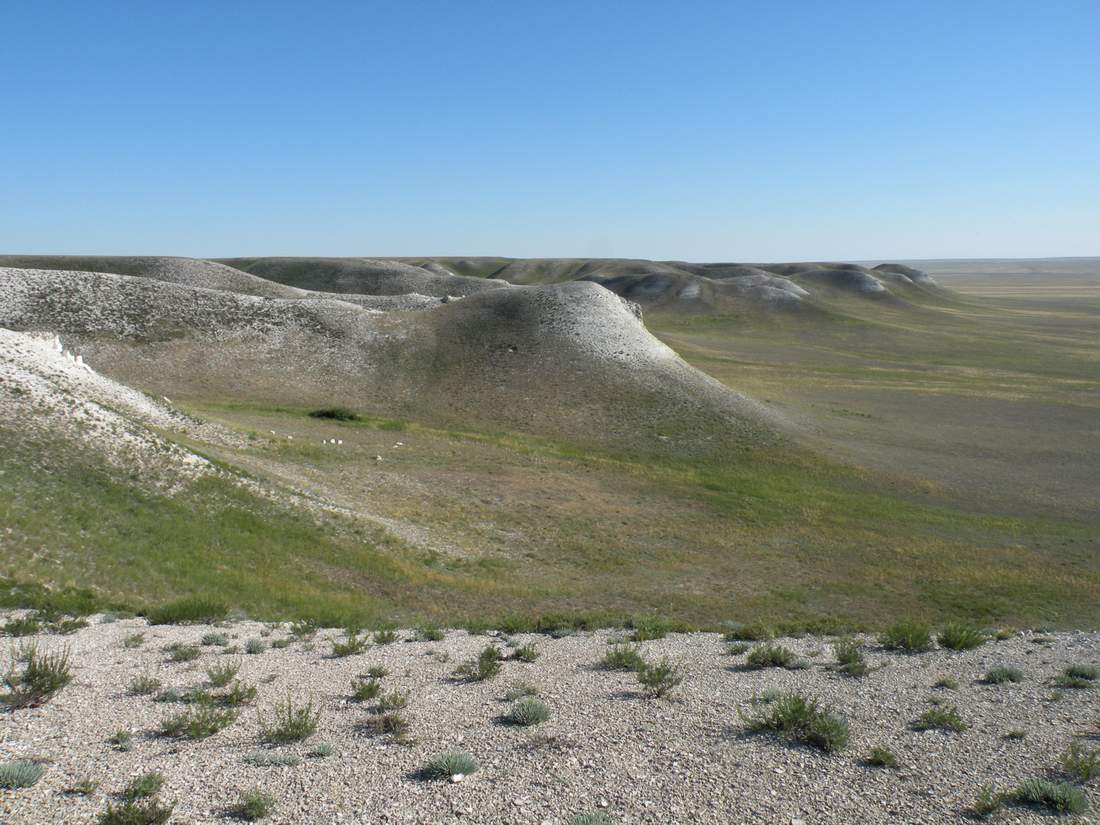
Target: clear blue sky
(690, 130)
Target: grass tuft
(222, 674)
(622, 656)
(353, 643)
(253, 805)
(485, 666)
(1058, 797)
(908, 636)
(881, 757)
(1080, 763)
(145, 812)
(200, 721)
(773, 655)
(34, 678)
(290, 722)
(944, 717)
(527, 711)
(143, 787)
(448, 764)
(660, 679)
(1002, 674)
(20, 774)
(960, 636)
(802, 719)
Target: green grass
(709, 530)
(200, 721)
(907, 636)
(773, 655)
(961, 636)
(290, 722)
(622, 656)
(1002, 674)
(485, 666)
(20, 774)
(448, 764)
(253, 805)
(34, 677)
(143, 787)
(945, 717)
(527, 711)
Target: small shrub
(1080, 763)
(121, 740)
(40, 677)
(265, 759)
(187, 611)
(365, 690)
(304, 628)
(238, 695)
(767, 696)
(1016, 733)
(145, 812)
(946, 683)
(179, 652)
(385, 636)
(352, 644)
(144, 786)
(485, 666)
(849, 658)
(382, 724)
(528, 653)
(882, 757)
(20, 774)
(336, 414)
(394, 700)
(279, 644)
(959, 636)
(987, 801)
(133, 640)
(772, 655)
(527, 711)
(215, 640)
(143, 685)
(519, 690)
(622, 656)
(254, 804)
(200, 721)
(254, 646)
(945, 717)
(1002, 674)
(796, 717)
(749, 633)
(908, 636)
(660, 679)
(377, 672)
(449, 764)
(290, 722)
(737, 648)
(429, 633)
(1059, 797)
(222, 674)
(322, 750)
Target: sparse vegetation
(1057, 797)
(908, 636)
(179, 652)
(385, 636)
(849, 657)
(520, 689)
(770, 654)
(960, 636)
(143, 685)
(200, 721)
(394, 700)
(881, 757)
(592, 818)
(485, 666)
(121, 740)
(749, 633)
(737, 648)
(1080, 763)
(336, 414)
(802, 719)
(527, 653)
(144, 786)
(528, 711)
(268, 759)
(215, 640)
(429, 633)
(1002, 674)
(223, 673)
(946, 683)
(392, 724)
(352, 643)
(622, 656)
(449, 764)
(254, 646)
(33, 678)
(20, 774)
(253, 805)
(322, 750)
(134, 812)
(943, 717)
(365, 690)
(377, 672)
(648, 628)
(133, 640)
(290, 722)
(661, 678)
(1078, 677)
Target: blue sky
(678, 130)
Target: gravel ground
(683, 759)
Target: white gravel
(687, 759)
